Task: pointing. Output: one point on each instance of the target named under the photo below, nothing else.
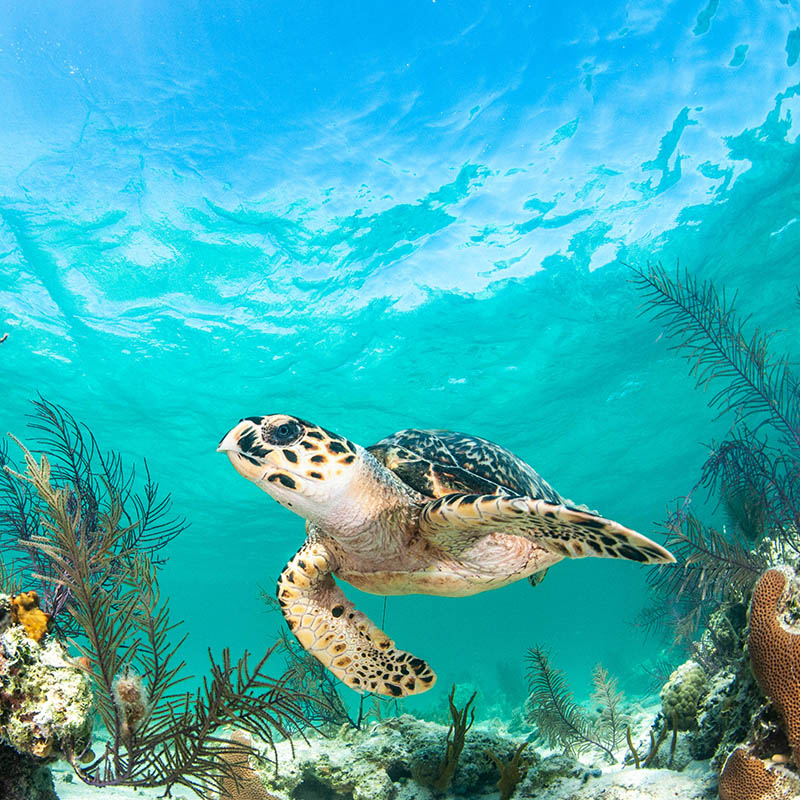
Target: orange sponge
(25, 611)
(775, 650)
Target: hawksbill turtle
(420, 512)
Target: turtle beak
(242, 446)
(240, 434)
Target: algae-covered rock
(682, 693)
(725, 630)
(697, 782)
(392, 758)
(729, 712)
(45, 700)
(548, 771)
(23, 777)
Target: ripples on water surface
(391, 217)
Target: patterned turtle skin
(420, 512)
(439, 462)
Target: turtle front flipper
(454, 521)
(343, 639)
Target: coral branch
(634, 751)
(511, 771)
(462, 720)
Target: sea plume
(752, 472)
(92, 544)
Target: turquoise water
(391, 216)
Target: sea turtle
(420, 512)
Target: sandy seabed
(70, 787)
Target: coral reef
(774, 645)
(725, 713)
(681, 694)
(394, 759)
(45, 700)
(24, 777)
(745, 777)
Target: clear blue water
(383, 216)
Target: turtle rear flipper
(451, 520)
(342, 638)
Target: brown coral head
(744, 777)
(25, 611)
(242, 781)
(774, 644)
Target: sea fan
(111, 595)
(753, 471)
(91, 479)
(714, 339)
(558, 718)
(607, 698)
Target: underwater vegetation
(753, 471)
(732, 599)
(90, 478)
(561, 721)
(89, 543)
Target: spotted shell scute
(439, 462)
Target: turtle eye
(285, 433)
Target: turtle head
(304, 467)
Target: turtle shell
(436, 463)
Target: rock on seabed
(45, 700)
(396, 758)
